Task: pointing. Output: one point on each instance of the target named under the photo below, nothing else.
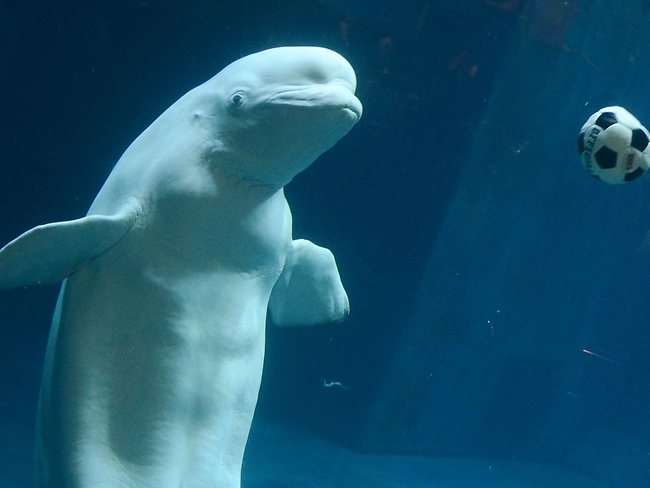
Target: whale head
(274, 112)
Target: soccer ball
(613, 146)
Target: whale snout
(356, 109)
(333, 96)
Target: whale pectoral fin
(309, 290)
(49, 253)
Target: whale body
(155, 354)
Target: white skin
(157, 345)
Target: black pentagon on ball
(639, 139)
(606, 119)
(581, 143)
(634, 174)
(605, 157)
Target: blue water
(498, 333)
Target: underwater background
(499, 327)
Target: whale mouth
(325, 97)
(354, 111)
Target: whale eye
(237, 99)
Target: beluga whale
(155, 354)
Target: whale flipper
(309, 290)
(51, 252)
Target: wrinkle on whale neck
(232, 182)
